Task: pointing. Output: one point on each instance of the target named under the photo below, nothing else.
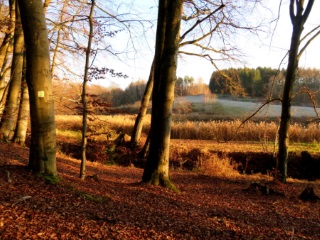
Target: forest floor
(112, 204)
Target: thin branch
(200, 38)
(200, 21)
(314, 103)
(309, 33)
(307, 44)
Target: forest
(168, 157)
(259, 82)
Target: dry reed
(219, 167)
(210, 130)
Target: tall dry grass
(250, 131)
(210, 130)
(219, 167)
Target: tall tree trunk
(138, 125)
(84, 96)
(42, 157)
(24, 111)
(298, 18)
(167, 44)
(3, 93)
(9, 33)
(144, 151)
(3, 86)
(11, 110)
(56, 49)
(6, 49)
(136, 133)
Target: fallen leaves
(119, 207)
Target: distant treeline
(248, 82)
(258, 82)
(135, 90)
(262, 82)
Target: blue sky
(267, 49)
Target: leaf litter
(118, 206)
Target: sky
(266, 49)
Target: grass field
(200, 138)
(220, 148)
(231, 109)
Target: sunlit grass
(258, 135)
(223, 167)
(69, 133)
(312, 148)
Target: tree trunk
(84, 97)
(3, 93)
(298, 21)
(138, 125)
(136, 133)
(56, 49)
(167, 44)
(5, 56)
(144, 151)
(24, 111)
(42, 157)
(5, 74)
(11, 110)
(9, 33)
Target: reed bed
(249, 131)
(199, 130)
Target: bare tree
(165, 63)
(84, 96)
(8, 33)
(6, 49)
(10, 114)
(298, 16)
(59, 35)
(202, 22)
(138, 124)
(24, 110)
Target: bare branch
(307, 44)
(314, 103)
(200, 21)
(292, 16)
(200, 38)
(308, 10)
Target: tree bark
(136, 133)
(298, 18)
(156, 170)
(11, 110)
(24, 111)
(42, 157)
(9, 33)
(138, 125)
(6, 49)
(84, 96)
